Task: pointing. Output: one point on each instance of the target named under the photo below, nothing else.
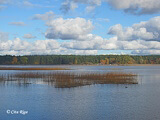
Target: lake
(38, 101)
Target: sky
(79, 27)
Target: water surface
(103, 102)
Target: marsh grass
(68, 80)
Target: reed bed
(16, 68)
(68, 80)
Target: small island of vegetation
(69, 80)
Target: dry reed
(68, 80)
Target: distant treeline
(78, 59)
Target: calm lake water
(95, 102)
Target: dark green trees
(78, 59)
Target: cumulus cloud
(29, 36)
(67, 29)
(140, 36)
(47, 16)
(90, 8)
(3, 3)
(72, 4)
(3, 36)
(29, 4)
(17, 23)
(20, 46)
(93, 42)
(45, 45)
(102, 19)
(50, 46)
(147, 30)
(16, 45)
(137, 7)
(86, 52)
(146, 52)
(99, 43)
(68, 5)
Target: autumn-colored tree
(103, 62)
(107, 61)
(75, 62)
(15, 60)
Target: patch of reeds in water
(68, 80)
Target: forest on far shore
(78, 59)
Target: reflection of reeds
(16, 68)
(112, 68)
(67, 80)
(26, 75)
(2, 78)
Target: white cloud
(16, 45)
(29, 4)
(147, 30)
(86, 52)
(72, 4)
(68, 5)
(29, 36)
(90, 8)
(67, 29)
(17, 23)
(99, 43)
(47, 16)
(102, 19)
(5, 1)
(136, 6)
(45, 45)
(146, 52)
(3, 36)
(20, 46)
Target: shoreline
(109, 65)
(31, 68)
(61, 67)
(87, 65)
